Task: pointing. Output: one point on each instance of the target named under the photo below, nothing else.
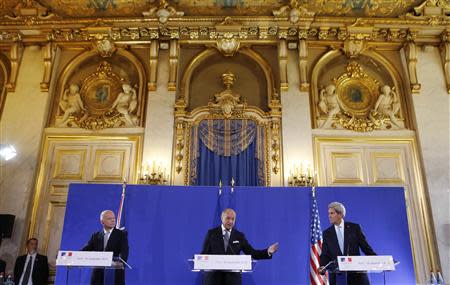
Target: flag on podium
(316, 244)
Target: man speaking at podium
(108, 239)
(226, 240)
(343, 238)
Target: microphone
(348, 241)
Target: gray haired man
(343, 238)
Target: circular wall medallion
(355, 96)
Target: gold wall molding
(153, 65)
(445, 53)
(174, 54)
(303, 65)
(49, 58)
(283, 62)
(275, 132)
(3, 81)
(179, 146)
(207, 28)
(411, 60)
(273, 149)
(183, 98)
(15, 57)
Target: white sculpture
(126, 104)
(329, 104)
(71, 103)
(294, 15)
(388, 104)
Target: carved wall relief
(227, 103)
(358, 99)
(110, 96)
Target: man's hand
(272, 249)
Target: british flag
(316, 244)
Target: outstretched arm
(255, 253)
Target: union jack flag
(121, 206)
(316, 244)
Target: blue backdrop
(167, 226)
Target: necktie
(26, 275)
(340, 237)
(105, 239)
(226, 239)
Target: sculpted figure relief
(126, 104)
(329, 104)
(388, 104)
(71, 104)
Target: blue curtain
(226, 149)
(242, 167)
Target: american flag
(316, 244)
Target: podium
(78, 264)
(217, 267)
(358, 267)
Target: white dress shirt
(225, 230)
(340, 231)
(106, 236)
(33, 258)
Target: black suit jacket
(40, 269)
(354, 240)
(118, 244)
(213, 244)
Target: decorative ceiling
(137, 8)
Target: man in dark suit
(108, 239)
(31, 268)
(343, 238)
(2, 267)
(2, 262)
(227, 240)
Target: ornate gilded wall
(92, 89)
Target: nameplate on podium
(222, 262)
(366, 263)
(84, 258)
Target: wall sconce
(7, 151)
(154, 175)
(301, 176)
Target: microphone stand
(324, 269)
